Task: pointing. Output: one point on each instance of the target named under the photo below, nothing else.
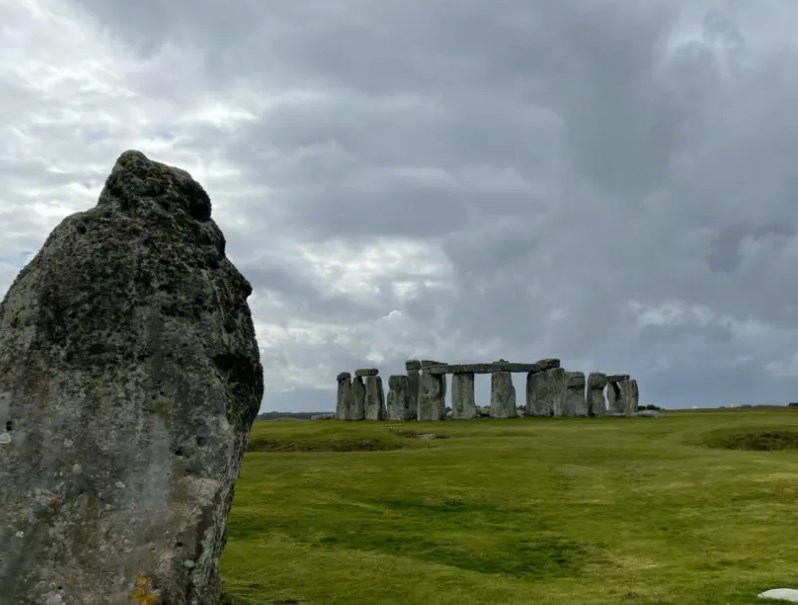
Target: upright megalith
(464, 406)
(629, 396)
(412, 366)
(357, 403)
(574, 395)
(502, 395)
(543, 388)
(614, 392)
(343, 407)
(375, 399)
(129, 379)
(555, 390)
(398, 403)
(431, 396)
(596, 405)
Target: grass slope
(646, 511)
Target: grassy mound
(755, 439)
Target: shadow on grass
(758, 439)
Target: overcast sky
(610, 182)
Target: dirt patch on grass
(342, 444)
(754, 439)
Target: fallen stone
(323, 417)
(431, 396)
(788, 595)
(596, 404)
(344, 400)
(502, 395)
(463, 405)
(575, 404)
(490, 368)
(648, 414)
(483, 411)
(130, 375)
(375, 399)
(398, 405)
(367, 372)
(357, 409)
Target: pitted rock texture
(431, 396)
(398, 403)
(344, 401)
(575, 404)
(130, 374)
(464, 406)
(629, 396)
(375, 399)
(596, 404)
(357, 402)
(502, 395)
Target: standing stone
(575, 394)
(555, 390)
(464, 406)
(431, 396)
(342, 408)
(398, 399)
(412, 366)
(596, 406)
(539, 398)
(129, 380)
(357, 405)
(630, 396)
(614, 397)
(375, 399)
(502, 395)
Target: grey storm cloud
(609, 182)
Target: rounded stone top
(137, 182)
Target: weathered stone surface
(617, 377)
(575, 404)
(357, 405)
(412, 393)
(555, 390)
(375, 399)
(365, 373)
(129, 379)
(463, 405)
(412, 364)
(490, 368)
(785, 595)
(614, 403)
(502, 395)
(630, 396)
(398, 406)
(483, 411)
(431, 396)
(540, 394)
(427, 363)
(343, 406)
(596, 404)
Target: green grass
(647, 511)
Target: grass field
(523, 511)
